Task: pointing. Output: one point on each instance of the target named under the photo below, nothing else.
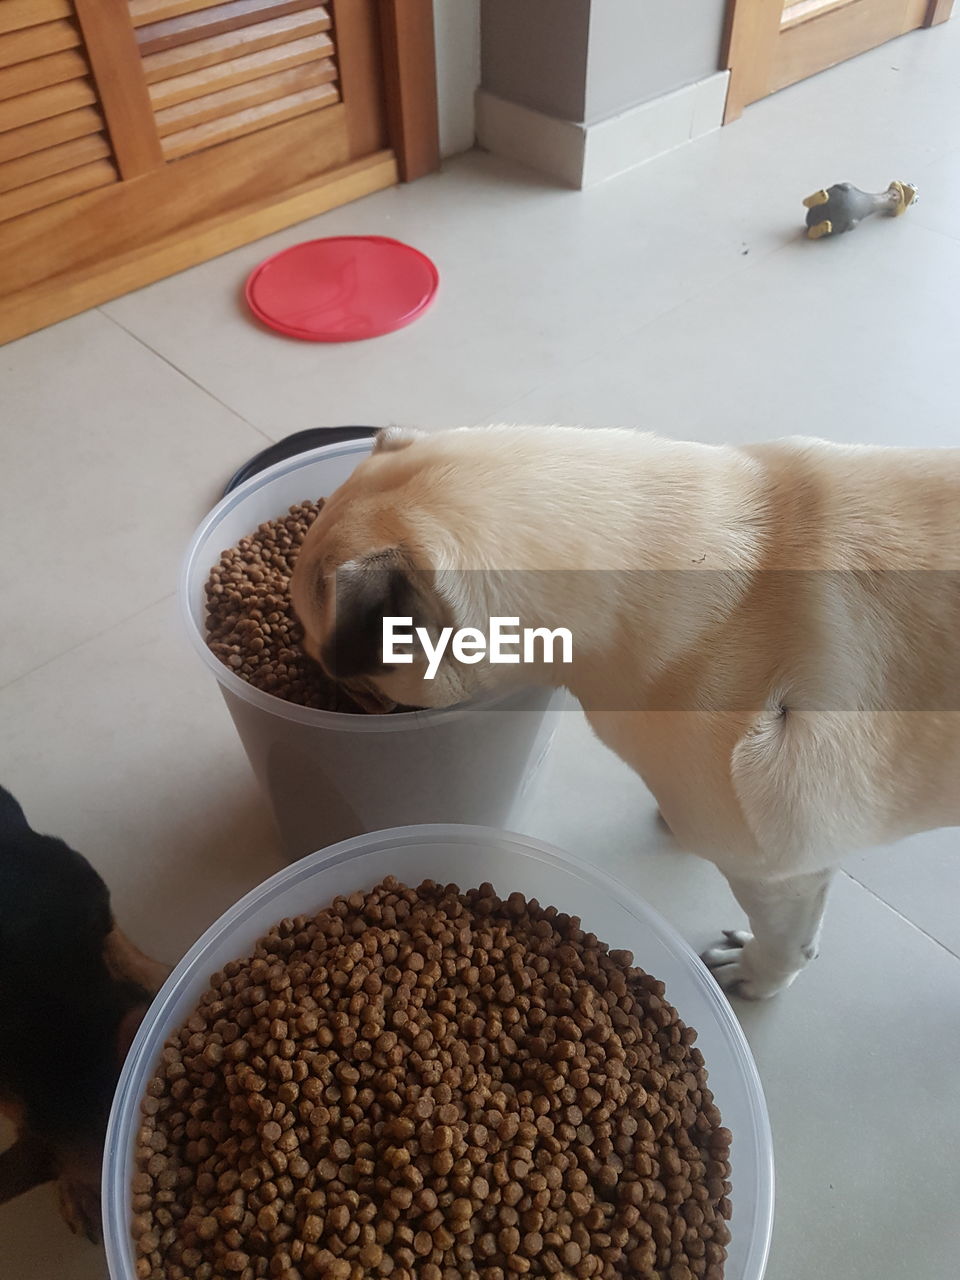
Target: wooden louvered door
(53, 138)
(138, 137)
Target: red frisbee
(343, 288)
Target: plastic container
(468, 856)
(331, 775)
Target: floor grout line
(944, 235)
(897, 912)
(183, 374)
(9, 684)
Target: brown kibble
(268, 1217)
(579, 1204)
(371, 1255)
(433, 1085)
(338, 1218)
(509, 1240)
(571, 1253)
(252, 628)
(312, 1228)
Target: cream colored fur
(781, 720)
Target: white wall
(642, 49)
(457, 28)
(535, 53)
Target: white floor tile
(124, 748)
(850, 339)
(938, 203)
(920, 878)
(35, 1242)
(110, 458)
(858, 1061)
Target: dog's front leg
(24, 1165)
(785, 919)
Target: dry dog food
(251, 626)
(431, 1085)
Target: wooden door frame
(751, 28)
(410, 75)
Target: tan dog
(769, 635)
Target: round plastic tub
(331, 775)
(467, 856)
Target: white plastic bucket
(331, 775)
(468, 856)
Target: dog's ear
(392, 439)
(12, 817)
(365, 591)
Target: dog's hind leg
(785, 919)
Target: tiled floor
(680, 297)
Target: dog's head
(389, 543)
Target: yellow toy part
(842, 206)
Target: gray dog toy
(841, 207)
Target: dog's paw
(729, 962)
(80, 1207)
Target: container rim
(343, 721)
(759, 1215)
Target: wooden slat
(103, 224)
(41, 72)
(42, 164)
(49, 133)
(215, 132)
(213, 106)
(17, 14)
(89, 286)
(72, 182)
(143, 12)
(360, 63)
(36, 42)
(115, 61)
(187, 58)
(240, 70)
(27, 108)
(213, 22)
(840, 34)
(410, 80)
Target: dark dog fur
(72, 992)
